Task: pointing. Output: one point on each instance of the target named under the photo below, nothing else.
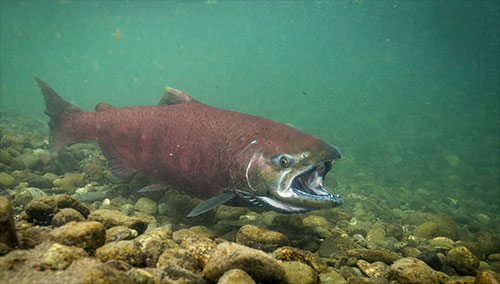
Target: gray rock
(127, 251)
(25, 195)
(259, 265)
(146, 205)
(127, 209)
(87, 235)
(91, 196)
(412, 271)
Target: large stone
(111, 218)
(373, 255)
(179, 257)
(60, 256)
(65, 216)
(412, 271)
(463, 260)
(332, 277)
(259, 265)
(105, 274)
(316, 221)
(120, 233)
(25, 195)
(146, 205)
(298, 272)
(258, 238)
(236, 276)
(127, 251)
(377, 270)
(30, 160)
(427, 230)
(42, 210)
(295, 254)
(7, 226)
(202, 249)
(487, 277)
(6, 180)
(87, 235)
(225, 212)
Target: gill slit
(248, 169)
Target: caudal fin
(57, 109)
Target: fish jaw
(289, 188)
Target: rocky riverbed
(64, 218)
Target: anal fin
(120, 166)
(153, 187)
(211, 203)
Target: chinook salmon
(205, 151)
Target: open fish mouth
(309, 183)
(304, 192)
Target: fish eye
(285, 161)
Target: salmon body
(205, 151)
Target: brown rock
(66, 215)
(259, 265)
(235, 276)
(427, 230)
(7, 226)
(127, 251)
(462, 259)
(258, 238)
(377, 270)
(179, 257)
(487, 277)
(373, 255)
(298, 272)
(332, 277)
(41, 210)
(120, 233)
(60, 256)
(87, 235)
(410, 270)
(295, 254)
(105, 274)
(111, 218)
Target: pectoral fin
(212, 203)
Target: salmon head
(285, 171)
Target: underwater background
(408, 90)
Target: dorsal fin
(173, 96)
(103, 107)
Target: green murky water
(408, 90)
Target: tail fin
(56, 108)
